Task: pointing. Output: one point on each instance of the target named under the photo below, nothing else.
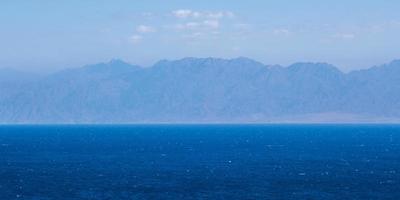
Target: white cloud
(211, 24)
(345, 36)
(205, 25)
(215, 15)
(145, 29)
(135, 39)
(187, 13)
(183, 13)
(187, 26)
(195, 35)
(229, 14)
(219, 14)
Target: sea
(332, 161)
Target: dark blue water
(200, 162)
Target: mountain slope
(205, 90)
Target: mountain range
(202, 90)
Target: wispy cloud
(219, 15)
(281, 32)
(184, 13)
(198, 26)
(135, 39)
(214, 24)
(187, 13)
(203, 25)
(145, 29)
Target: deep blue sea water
(200, 162)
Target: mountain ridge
(205, 90)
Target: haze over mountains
(206, 90)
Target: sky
(48, 35)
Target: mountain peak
(112, 65)
(393, 65)
(118, 63)
(200, 90)
(210, 61)
(242, 58)
(115, 61)
(246, 61)
(191, 62)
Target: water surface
(200, 162)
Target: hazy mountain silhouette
(202, 90)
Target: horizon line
(111, 60)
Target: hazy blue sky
(49, 35)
